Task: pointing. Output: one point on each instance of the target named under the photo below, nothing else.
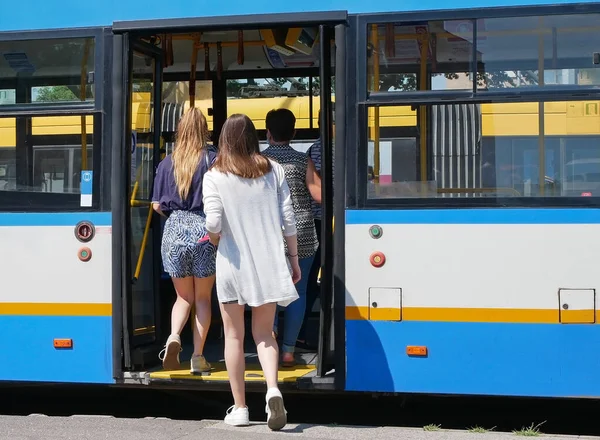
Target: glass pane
(62, 68)
(528, 149)
(37, 154)
(142, 178)
(420, 56)
(537, 51)
(8, 96)
(255, 97)
(176, 101)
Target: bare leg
(233, 321)
(179, 316)
(203, 290)
(181, 309)
(266, 346)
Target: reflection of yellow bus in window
(499, 149)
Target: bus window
(526, 149)
(59, 70)
(50, 161)
(255, 97)
(401, 56)
(548, 51)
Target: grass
(530, 431)
(432, 427)
(480, 430)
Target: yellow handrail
(138, 267)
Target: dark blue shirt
(165, 190)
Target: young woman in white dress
(248, 214)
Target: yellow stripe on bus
(56, 309)
(533, 316)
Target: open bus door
(142, 330)
(142, 336)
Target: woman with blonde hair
(188, 257)
(248, 212)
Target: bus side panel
(503, 301)
(49, 296)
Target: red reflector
(586, 194)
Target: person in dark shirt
(188, 256)
(305, 185)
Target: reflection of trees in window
(274, 87)
(62, 93)
(407, 82)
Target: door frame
(135, 349)
(332, 333)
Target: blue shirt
(165, 190)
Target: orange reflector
(63, 343)
(416, 350)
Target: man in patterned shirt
(305, 185)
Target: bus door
(142, 335)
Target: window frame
(58, 202)
(11, 201)
(488, 202)
(364, 21)
(363, 99)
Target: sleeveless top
(294, 166)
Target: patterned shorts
(182, 254)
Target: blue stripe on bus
(474, 216)
(546, 360)
(74, 13)
(29, 353)
(54, 219)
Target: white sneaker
(199, 365)
(170, 354)
(276, 413)
(237, 416)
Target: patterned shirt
(294, 165)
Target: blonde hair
(191, 138)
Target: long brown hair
(239, 152)
(191, 138)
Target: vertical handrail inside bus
(542, 129)
(82, 96)
(193, 65)
(424, 39)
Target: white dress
(252, 215)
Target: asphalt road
(108, 428)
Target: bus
(459, 226)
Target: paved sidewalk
(39, 427)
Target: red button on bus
(377, 259)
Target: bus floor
(305, 367)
